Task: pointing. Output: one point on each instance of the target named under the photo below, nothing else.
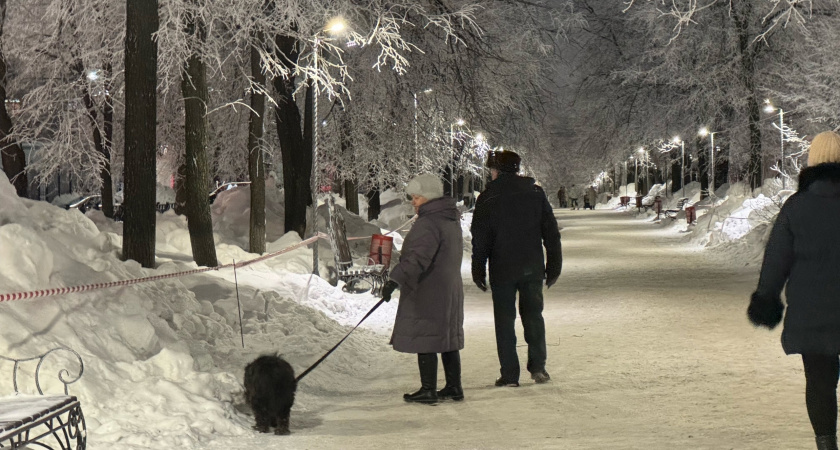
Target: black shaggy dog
(270, 390)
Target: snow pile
(232, 213)
(164, 360)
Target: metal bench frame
(672, 213)
(62, 418)
(359, 278)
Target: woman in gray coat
(803, 256)
(430, 316)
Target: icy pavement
(649, 348)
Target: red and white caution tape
(98, 286)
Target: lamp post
(677, 140)
(334, 27)
(770, 108)
(645, 185)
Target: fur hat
(504, 161)
(425, 185)
(825, 148)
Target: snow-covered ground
(649, 346)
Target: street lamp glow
(768, 107)
(676, 140)
(427, 90)
(460, 122)
(704, 132)
(92, 75)
(336, 26)
(641, 150)
(479, 137)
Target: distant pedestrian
(511, 224)
(573, 197)
(803, 257)
(561, 197)
(591, 197)
(430, 316)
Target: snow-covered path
(649, 347)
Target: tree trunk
(256, 167)
(107, 190)
(102, 144)
(351, 189)
(296, 155)
(742, 14)
(11, 154)
(196, 98)
(374, 206)
(142, 22)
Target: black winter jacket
(804, 252)
(511, 223)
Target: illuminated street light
(335, 27)
(677, 140)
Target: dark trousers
(530, 311)
(821, 373)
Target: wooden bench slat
(14, 411)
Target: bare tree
(13, 158)
(140, 139)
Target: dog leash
(313, 366)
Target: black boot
(452, 370)
(428, 380)
(827, 442)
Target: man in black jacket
(511, 223)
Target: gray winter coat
(430, 316)
(804, 252)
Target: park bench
(44, 421)
(672, 213)
(356, 278)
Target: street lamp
(768, 107)
(677, 140)
(334, 27)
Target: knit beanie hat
(825, 148)
(504, 161)
(425, 185)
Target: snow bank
(164, 360)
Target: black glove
(388, 289)
(765, 312)
(551, 275)
(479, 274)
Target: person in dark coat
(803, 257)
(561, 197)
(430, 316)
(511, 223)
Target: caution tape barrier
(98, 286)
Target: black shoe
(826, 442)
(541, 377)
(454, 392)
(422, 396)
(501, 382)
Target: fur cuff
(764, 311)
